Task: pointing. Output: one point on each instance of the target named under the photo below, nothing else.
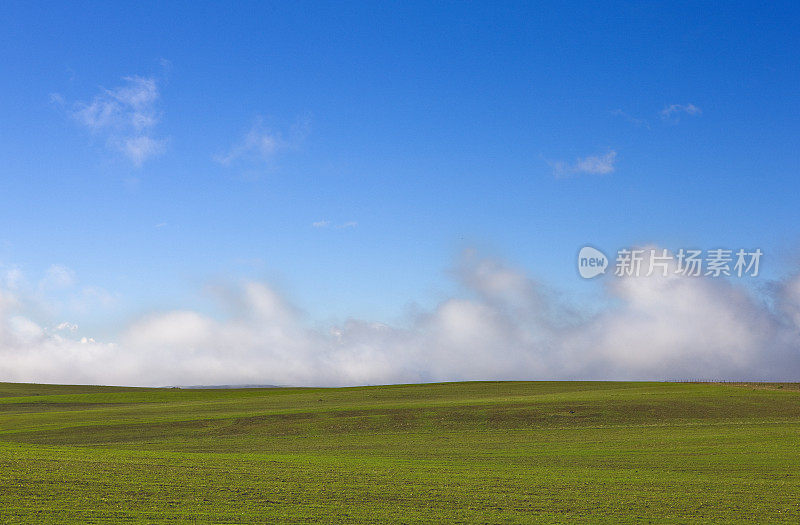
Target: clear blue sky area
(347, 152)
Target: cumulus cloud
(503, 325)
(261, 145)
(593, 164)
(125, 117)
(673, 111)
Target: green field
(482, 452)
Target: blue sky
(407, 132)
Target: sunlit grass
(470, 452)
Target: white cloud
(630, 118)
(674, 110)
(260, 145)
(91, 298)
(13, 278)
(56, 294)
(141, 148)
(503, 326)
(125, 117)
(57, 276)
(670, 113)
(67, 326)
(320, 224)
(593, 164)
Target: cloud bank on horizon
(506, 326)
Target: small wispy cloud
(139, 149)
(56, 277)
(12, 278)
(631, 119)
(328, 224)
(71, 327)
(260, 145)
(592, 165)
(125, 117)
(670, 113)
(673, 111)
(92, 298)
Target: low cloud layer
(504, 325)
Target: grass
(482, 452)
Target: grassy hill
(468, 452)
